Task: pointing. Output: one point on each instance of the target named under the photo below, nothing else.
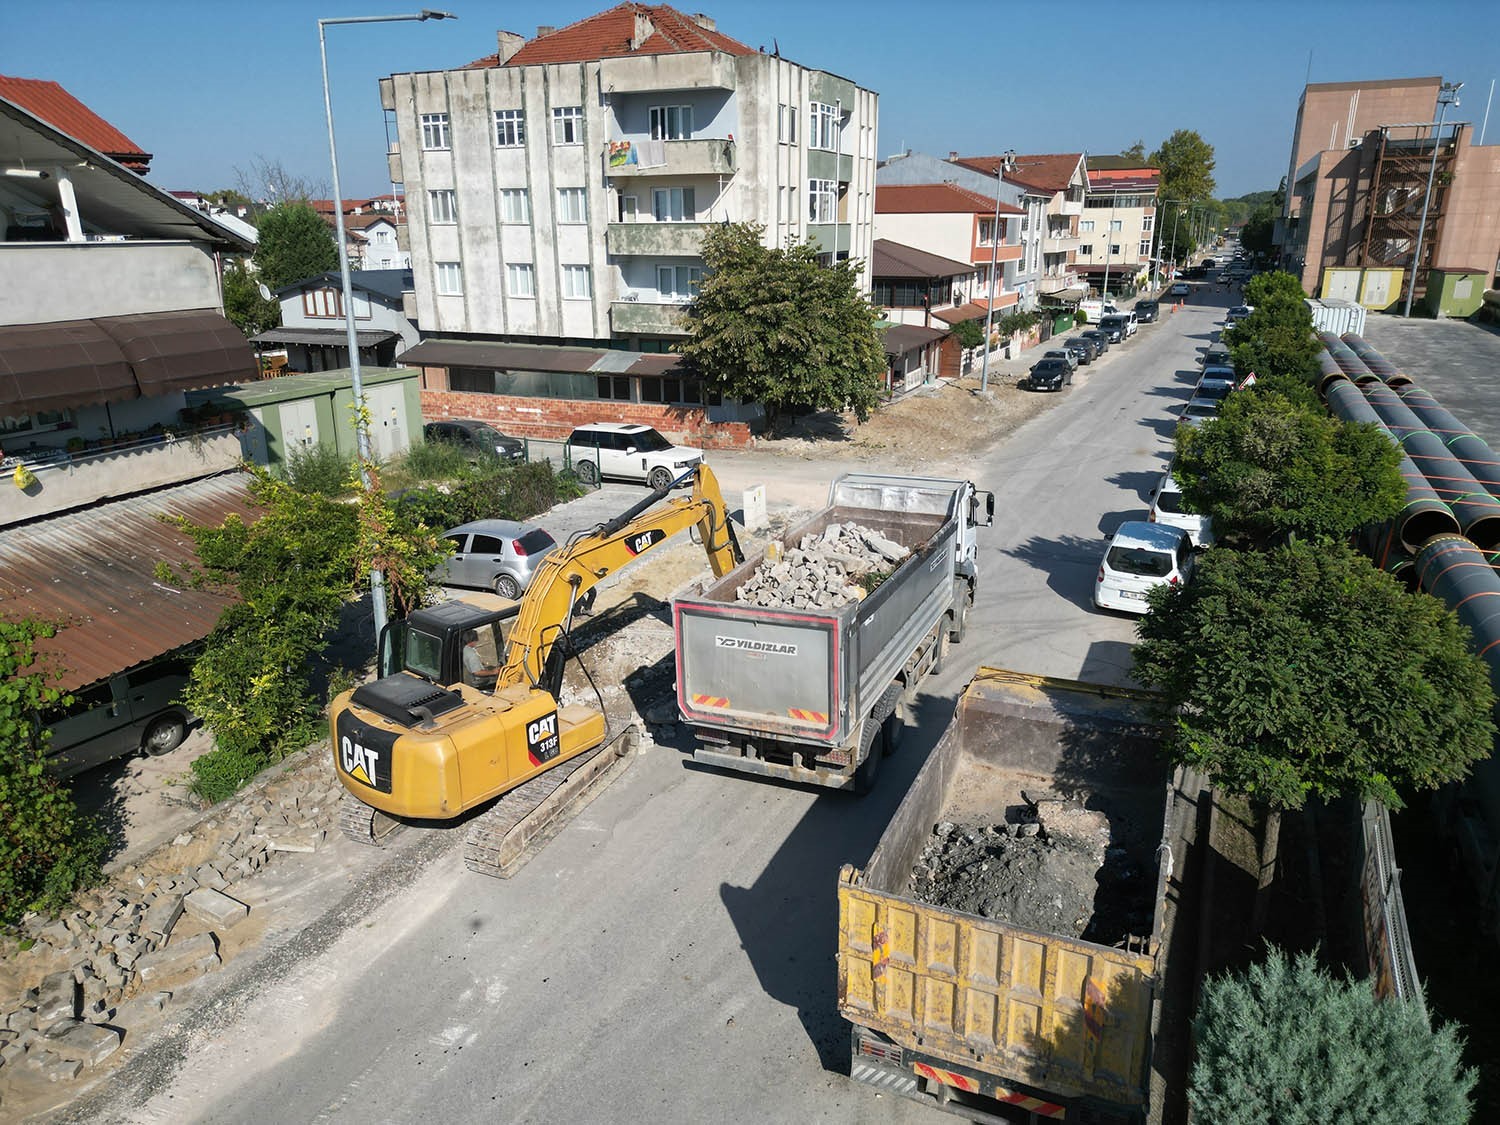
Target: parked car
(472, 435)
(1167, 509)
(1238, 313)
(136, 710)
(1215, 357)
(1117, 325)
(628, 450)
(1218, 371)
(1085, 349)
(1063, 354)
(1180, 289)
(498, 555)
(1196, 410)
(1147, 312)
(1216, 389)
(1140, 557)
(1099, 338)
(1047, 375)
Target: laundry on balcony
(621, 153)
(652, 154)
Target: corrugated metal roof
(330, 337)
(94, 572)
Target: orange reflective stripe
(710, 701)
(1035, 1105)
(947, 1078)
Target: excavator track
(364, 825)
(500, 839)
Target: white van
(1141, 557)
(1167, 509)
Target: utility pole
(1447, 96)
(1007, 162)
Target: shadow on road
(1069, 561)
(1163, 427)
(1142, 483)
(787, 919)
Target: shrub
(48, 850)
(219, 774)
(439, 460)
(320, 470)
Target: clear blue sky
(208, 85)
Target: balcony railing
(1060, 243)
(666, 240)
(706, 156)
(1056, 283)
(657, 317)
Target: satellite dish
(265, 294)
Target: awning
(327, 337)
(901, 338)
(76, 363)
(95, 572)
(536, 357)
(1072, 295)
(55, 366)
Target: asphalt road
(670, 955)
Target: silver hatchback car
(498, 555)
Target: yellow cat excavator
(449, 726)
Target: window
(673, 205)
(450, 279)
(612, 386)
(1087, 248)
(669, 389)
(521, 279)
(1145, 248)
(510, 128)
(987, 231)
(823, 127)
(627, 208)
(515, 206)
(821, 198)
(572, 205)
(786, 124)
(577, 285)
(1114, 225)
(326, 302)
(435, 131)
(1114, 247)
(442, 208)
(567, 125)
(671, 122)
(1086, 226)
(679, 283)
(1147, 222)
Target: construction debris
(824, 571)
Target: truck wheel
(895, 728)
(588, 472)
(870, 753)
(940, 657)
(164, 735)
(961, 599)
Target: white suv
(629, 450)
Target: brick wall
(556, 418)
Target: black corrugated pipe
(1384, 369)
(1386, 550)
(1328, 371)
(1349, 363)
(1424, 514)
(1450, 568)
(1471, 449)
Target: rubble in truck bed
(825, 571)
(1050, 868)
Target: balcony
(708, 156)
(651, 317)
(1056, 283)
(68, 479)
(103, 279)
(393, 163)
(1006, 252)
(1070, 206)
(662, 240)
(1060, 243)
(649, 74)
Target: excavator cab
(431, 642)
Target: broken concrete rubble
(824, 571)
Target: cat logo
(360, 762)
(542, 743)
(364, 753)
(640, 544)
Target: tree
(269, 179)
(246, 309)
(1267, 469)
(294, 244)
(1288, 1043)
(48, 849)
(1256, 235)
(1136, 152)
(774, 326)
(1277, 338)
(229, 199)
(1186, 161)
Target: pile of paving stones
(823, 571)
(104, 965)
(1051, 869)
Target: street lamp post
(361, 431)
(1007, 161)
(1447, 95)
(1114, 199)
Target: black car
(1048, 375)
(1216, 357)
(1147, 311)
(472, 435)
(1100, 339)
(1086, 350)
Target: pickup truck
(1005, 946)
(818, 695)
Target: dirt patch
(947, 421)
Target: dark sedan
(1147, 311)
(1048, 375)
(474, 436)
(1100, 339)
(1086, 350)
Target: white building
(1117, 230)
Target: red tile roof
(1044, 171)
(611, 34)
(1124, 177)
(65, 113)
(918, 199)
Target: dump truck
(1003, 948)
(816, 692)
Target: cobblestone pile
(823, 571)
(114, 958)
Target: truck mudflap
(877, 1061)
(743, 763)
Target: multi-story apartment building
(1357, 193)
(1117, 229)
(559, 190)
(956, 224)
(1055, 185)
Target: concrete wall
(554, 419)
(1469, 237)
(45, 282)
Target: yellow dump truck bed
(968, 1005)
